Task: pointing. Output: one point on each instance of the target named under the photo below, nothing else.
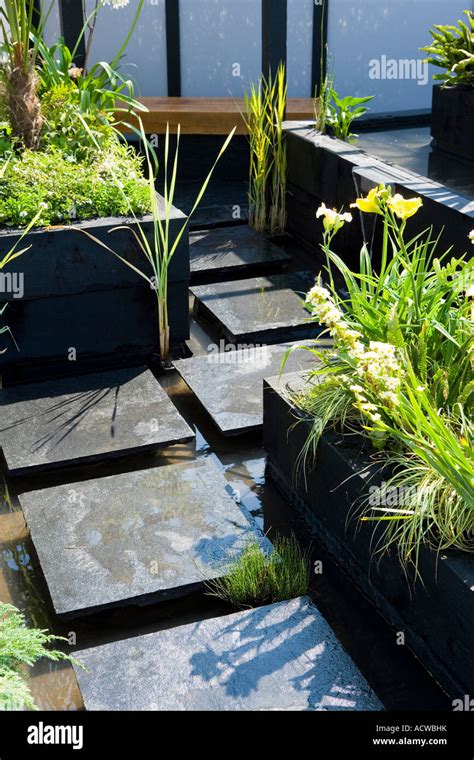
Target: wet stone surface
(281, 657)
(258, 310)
(137, 537)
(223, 203)
(228, 252)
(229, 384)
(86, 418)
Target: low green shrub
(64, 189)
(20, 646)
(74, 132)
(60, 126)
(257, 578)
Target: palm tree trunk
(24, 105)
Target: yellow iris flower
(404, 208)
(370, 204)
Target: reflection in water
(53, 685)
(411, 149)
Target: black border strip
(274, 34)
(320, 40)
(173, 48)
(72, 21)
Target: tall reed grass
(265, 109)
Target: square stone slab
(86, 418)
(135, 538)
(281, 657)
(229, 384)
(258, 310)
(230, 252)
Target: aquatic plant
(257, 577)
(265, 108)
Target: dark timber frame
(274, 35)
(320, 39)
(72, 22)
(173, 48)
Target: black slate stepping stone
(230, 384)
(135, 538)
(258, 310)
(229, 252)
(280, 657)
(225, 202)
(86, 418)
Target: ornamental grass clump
(401, 372)
(265, 108)
(257, 577)
(257, 108)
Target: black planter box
(452, 126)
(322, 169)
(436, 615)
(76, 295)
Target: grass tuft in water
(257, 578)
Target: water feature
(398, 679)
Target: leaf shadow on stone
(318, 673)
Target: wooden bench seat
(207, 116)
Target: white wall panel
(361, 32)
(221, 46)
(300, 48)
(145, 57)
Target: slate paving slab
(258, 310)
(135, 538)
(86, 418)
(280, 657)
(229, 384)
(230, 252)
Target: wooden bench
(207, 116)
